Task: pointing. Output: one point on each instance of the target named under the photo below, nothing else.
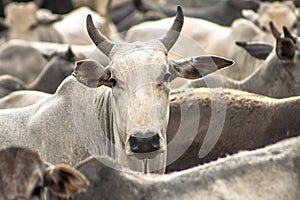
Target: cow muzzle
(145, 145)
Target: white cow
(127, 121)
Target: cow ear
(69, 54)
(197, 67)
(91, 74)
(65, 181)
(251, 15)
(256, 49)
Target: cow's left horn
(173, 33)
(274, 30)
(104, 44)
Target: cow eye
(37, 191)
(113, 81)
(167, 77)
(295, 25)
(264, 28)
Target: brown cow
(24, 176)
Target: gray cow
(277, 77)
(268, 173)
(127, 121)
(25, 176)
(21, 61)
(59, 66)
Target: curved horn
(288, 34)
(173, 33)
(274, 30)
(103, 44)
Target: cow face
(24, 176)
(281, 13)
(139, 74)
(287, 52)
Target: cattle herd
(149, 99)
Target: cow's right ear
(91, 74)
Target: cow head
(281, 13)
(139, 74)
(24, 176)
(286, 45)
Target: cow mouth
(148, 155)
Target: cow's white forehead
(138, 59)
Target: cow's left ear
(91, 74)
(65, 181)
(197, 67)
(256, 49)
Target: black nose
(144, 142)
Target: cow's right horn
(103, 44)
(173, 33)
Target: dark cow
(223, 12)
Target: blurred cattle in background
(85, 51)
(101, 5)
(21, 61)
(25, 176)
(56, 6)
(201, 36)
(59, 66)
(247, 175)
(25, 21)
(22, 98)
(277, 77)
(222, 12)
(129, 13)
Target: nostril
(144, 142)
(133, 143)
(156, 142)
